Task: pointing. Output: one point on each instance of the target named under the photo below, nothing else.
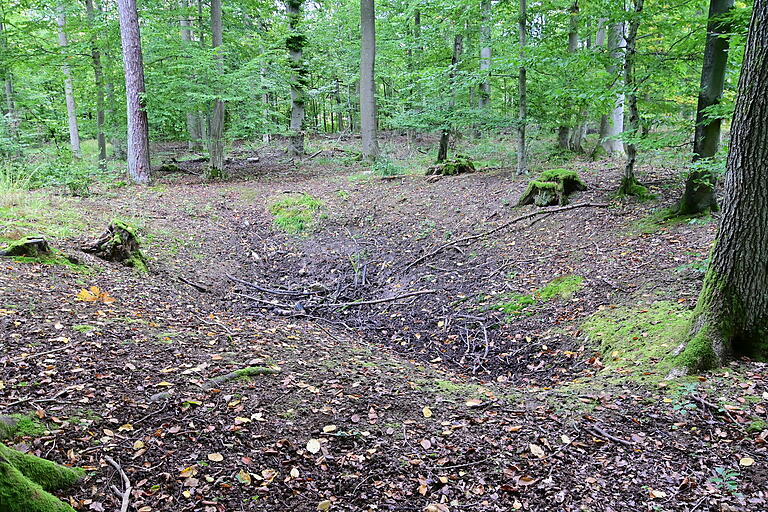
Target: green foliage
(295, 214)
(386, 167)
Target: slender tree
(295, 42)
(484, 97)
(629, 184)
(9, 111)
(138, 126)
(69, 91)
(367, 80)
(193, 121)
(699, 195)
(565, 137)
(611, 127)
(731, 315)
(98, 75)
(216, 141)
(522, 165)
(445, 134)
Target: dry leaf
(215, 457)
(313, 446)
(324, 505)
(294, 473)
(536, 450)
(244, 477)
(427, 412)
(329, 428)
(746, 461)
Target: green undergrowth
(296, 214)
(32, 212)
(665, 218)
(515, 304)
(640, 340)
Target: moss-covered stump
(29, 246)
(551, 188)
(119, 243)
(26, 482)
(460, 164)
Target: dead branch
(602, 433)
(375, 301)
(125, 494)
(255, 286)
(484, 234)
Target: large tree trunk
(193, 122)
(216, 141)
(445, 134)
(565, 138)
(522, 165)
(612, 127)
(731, 316)
(69, 92)
(699, 195)
(629, 185)
(138, 126)
(98, 74)
(295, 43)
(367, 81)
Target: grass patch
(664, 218)
(515, 304)
(296, 214)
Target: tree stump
(29, 246)
(119, 243)
(460, 164)
(552, 188)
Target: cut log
(119, 243)
(552, 188)
(460, 164)
(29, 246)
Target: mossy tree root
(249, 371)
(26, 482)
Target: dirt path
(407, 406)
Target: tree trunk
(445, 134)
(295, 43)
(699, 195)
(367, 81)
(614, 125)
(731, 316)
(564, 135)
(69, 93)
(522, 166)
(216, 141)
(484, 100)
(629, 185)
(11, 116)
(98, 74)
(138, 126)
(193, 123)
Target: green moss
(295, 214)
(252, 371)
(513, 304)
(634, 188)
(21, 425)
(563, 287)
(561, 175)
(756, 426)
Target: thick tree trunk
(629, 185)
(138, 126)
(731, 316)
(367, 81)
(699, 195)
(98, 74)
(522, 165)
(216, 141)
(445, 134)
(295, 43)
(69, 92)
(615, 125)
(567, 137)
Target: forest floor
(527, 373)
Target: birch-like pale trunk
(522, 114)
(195, 142)
(295, 43)
(216, 140)
(98, 75)
(370, 145)
(69, 90)
(9, 111)
(629, 185)
(484, 100)
(611, 127)
(138, 126)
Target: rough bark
(69, 91)
(370, 145)
(731, 316)
(522, 166)
(484, 100)
(193, 121)
(699, 195)
(138, 126)
(216, 141)
(98, 74)
(566, 138)
(445, 134)
(615, 123)
(295, 43)
(629, 185)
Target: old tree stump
(552, 188)
(459, 164)
(119, 243)
(29, 246)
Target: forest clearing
(515, 267)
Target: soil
(437, 399)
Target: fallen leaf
(746, 461)
(427, 412)
(138, 445)
(329, 428)
(244, 477)
(313, 446)
(294, 473)
(657, 494)
(215, 457)
(324, 505)
(537, 450)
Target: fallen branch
(484, 234)
(249, 371)
(713, 407)
(375, 301)
(602, 433)
(255, 286)
(194, 285)
(125, 494)
(313, 155)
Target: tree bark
(731, 316)
(9, 111)
(445, 134)
(522, 165)
(484, 100)
(69, 93)
(367, 81)
(216, 141)
(629, 185)
(98, 74)
(614, 125)
(565, 134)
(295, 43)
(193, 123)
(138, 125)
(699, 195)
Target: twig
(126, 493)
(268, 290)
(602, 433)
(714, 407)
(41, 400)
(40, 354)
(194, 285)
(499, 228)
(375, 301)
(262, 301)
(313, 155)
